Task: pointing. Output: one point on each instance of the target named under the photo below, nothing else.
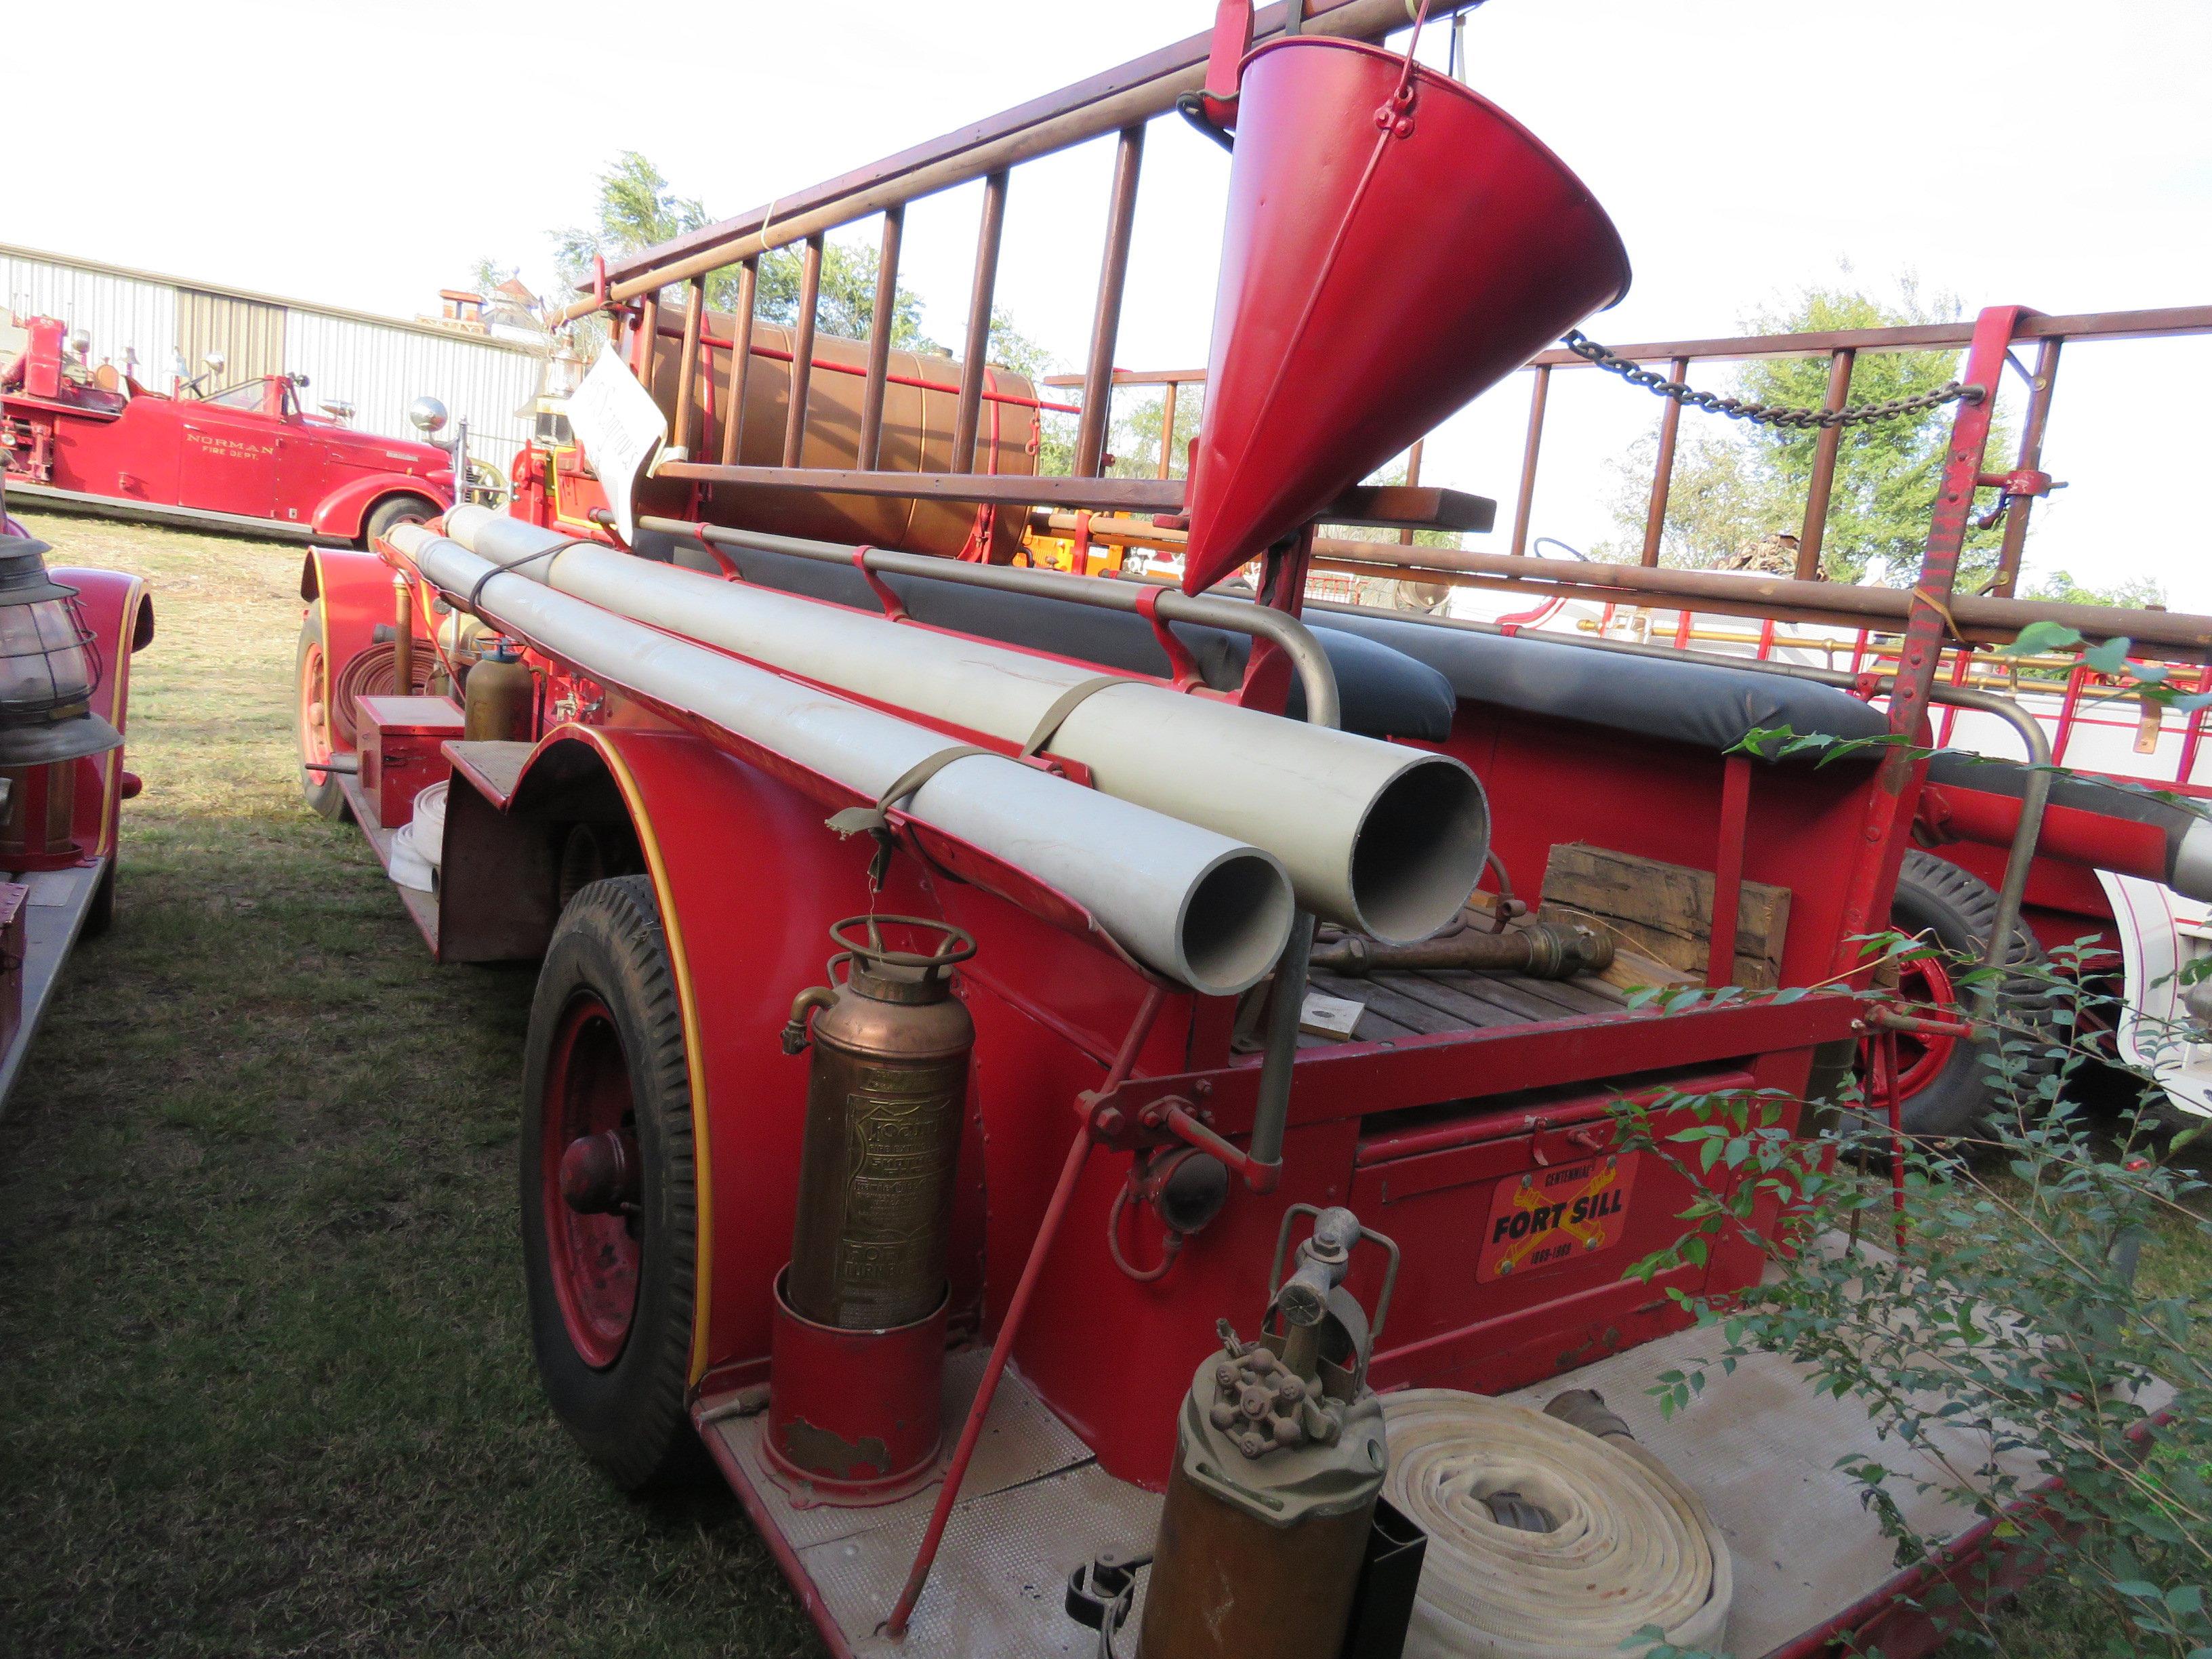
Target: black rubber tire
(1955, 910)
(321, 790)
(631, 1417)
(100, 915)
(396, 510)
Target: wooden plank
(1575, 994)
(1498, 992)
(1392, 1004)
(1373, 1027)
(1419, 506)
(1470, 1012)
(1665, 910)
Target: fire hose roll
(1374, 835)
(1191, 904)
(1628, 1545)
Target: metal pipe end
(1235, 920)
(1419, 850)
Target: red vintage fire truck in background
(246, 458)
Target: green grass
(266, 1386)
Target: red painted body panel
(119, 614)
(355, 590)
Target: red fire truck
(1190, 1201)
(246, 458)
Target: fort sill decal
(1553, 1214)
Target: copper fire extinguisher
(1280, 1458)
(884, 1095)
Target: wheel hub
(599, 1174)
(593, 1175)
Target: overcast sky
(365, 153)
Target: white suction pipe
(1190, 903)
(1375, 836)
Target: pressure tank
(920, 404)
(1280, 1454)
(884, 1096)
(498, 697)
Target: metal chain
(1766, 414)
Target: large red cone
(1381, 265)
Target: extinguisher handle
(795, 1034)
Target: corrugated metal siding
(249, 333)
(379, 368)
(381, 371)
(117, 312)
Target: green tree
(1736, 486)
(2132, 593)
(636, 208)
(1136, 441)
(489, 273)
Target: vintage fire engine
(247, 457)
(66, 640)
(1187, 1208)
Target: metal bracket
(1181, 666)
(894, 607)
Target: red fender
(355, 589)
(345, 509)
(742, 945)
(119, 613)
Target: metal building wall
(249, 333)
(117, 310)
(381, 370)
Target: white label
(621, 429)
(1335, 1017)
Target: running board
(190, 518)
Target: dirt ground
(265, 1385)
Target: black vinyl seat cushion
(1384, 693)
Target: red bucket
(1384, 262)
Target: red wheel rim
(1921, 1058)
(314, 714)
(594, 1258)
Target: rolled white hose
(429, 824)
(1630, 1547)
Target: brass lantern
(47, 722)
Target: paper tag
(621, 429)
(1334, 1016)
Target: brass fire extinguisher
(1280, 1458)
(883, 1101)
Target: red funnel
(1382, 263)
